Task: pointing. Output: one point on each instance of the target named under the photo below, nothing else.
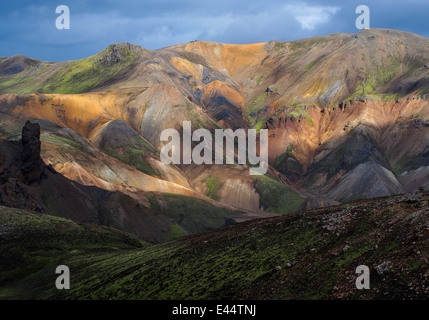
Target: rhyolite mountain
(82, 183)
(347, 114)
(26, 182)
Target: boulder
(384, 267)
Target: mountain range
(347, 115)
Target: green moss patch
(276, 197)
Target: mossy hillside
(254, 116)
(76, 76)
(287, 164)
(366, 87)
(330, 165)
(294, 110)
(408, 163)
(207, 271)
(312, 63)
(11, 131)
(372, 81)
(176, 231)
(311, 255)
(195, 215)
(198, 120)
(119, 141)
(172, 271)
(134, 156)
(189, 215)
(279, 45)
(29, 241)
(259, 78)
(213, 186)
(304, 44)
(61, 140)
(298, 112)
(276, 197)
(86, 74)
(283, 157)
(256, 105)
(66, 147)
(22, 83)
(388, 71)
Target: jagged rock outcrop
(27, 183)
(117, 52)
(32, 163)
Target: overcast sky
(28, 27)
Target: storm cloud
(28, 27)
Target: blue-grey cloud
(28, 27)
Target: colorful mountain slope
(335, 106)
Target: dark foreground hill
(308, 255)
